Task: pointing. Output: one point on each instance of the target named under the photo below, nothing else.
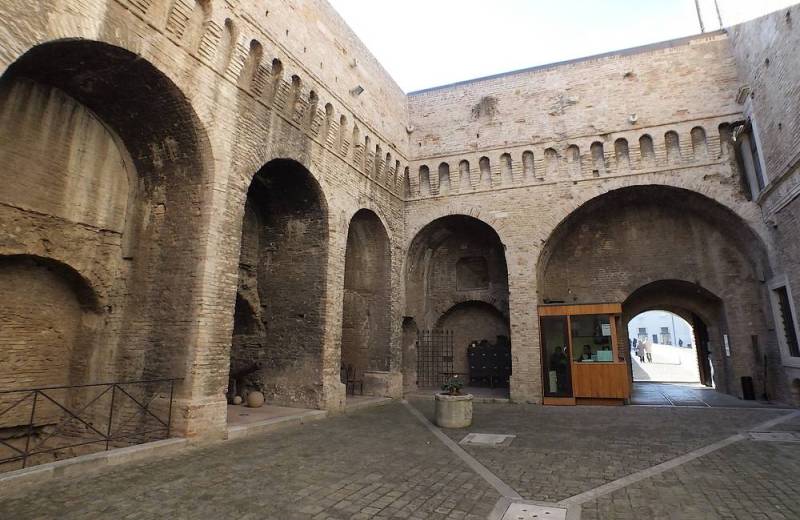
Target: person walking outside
(640, 351)
(648, 350)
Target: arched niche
(119, 174)
(366, 309)
(281, 287)
(49, 317)
(454, 259)
(473, 322)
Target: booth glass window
(556, 363)
(591, 338)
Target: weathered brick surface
(131, 145)
(765, 50)
(196, 141)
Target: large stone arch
(283, 282)
(380, 215)
(140, 234)
(719, 187)
(432, 214)
(626, 239)
(103, 21)
(425, 307)
(457, 262)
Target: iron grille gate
(434, 357)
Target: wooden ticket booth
(581, 359)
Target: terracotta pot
(255, 400)
(453, 411)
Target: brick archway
(626, 239)
(124, 182)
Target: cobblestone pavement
(379, 463)
(559, 452)
(672, 394)
(744, 481)
(382, 463)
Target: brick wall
(170, 284)
(681, 81)
(180, 105)
(366, 319)
(765, 50)
(629, 239)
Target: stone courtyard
(383, 462)
(207, 204)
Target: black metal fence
(434, 357)
(39, 425)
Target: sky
(426, 43)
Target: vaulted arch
(111, 181)
(626, 239)
(456, 273)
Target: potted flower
(453, 409)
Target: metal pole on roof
(719, 15)
(699, 16)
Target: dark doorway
(703, 360)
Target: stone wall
(576, 102)
(766, 54)
(366, 320)
(216, 90)
(133, 131)
(522, 151)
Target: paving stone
(346, 467)
(383, 464)
(744, 480)
(559, 452)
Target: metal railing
(46, 422)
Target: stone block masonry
(193, 186)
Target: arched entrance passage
(104, 164)
(457, 277)
(629, 238)
(663, 348)
(278, 323)
(366, 313)
(696, 305)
